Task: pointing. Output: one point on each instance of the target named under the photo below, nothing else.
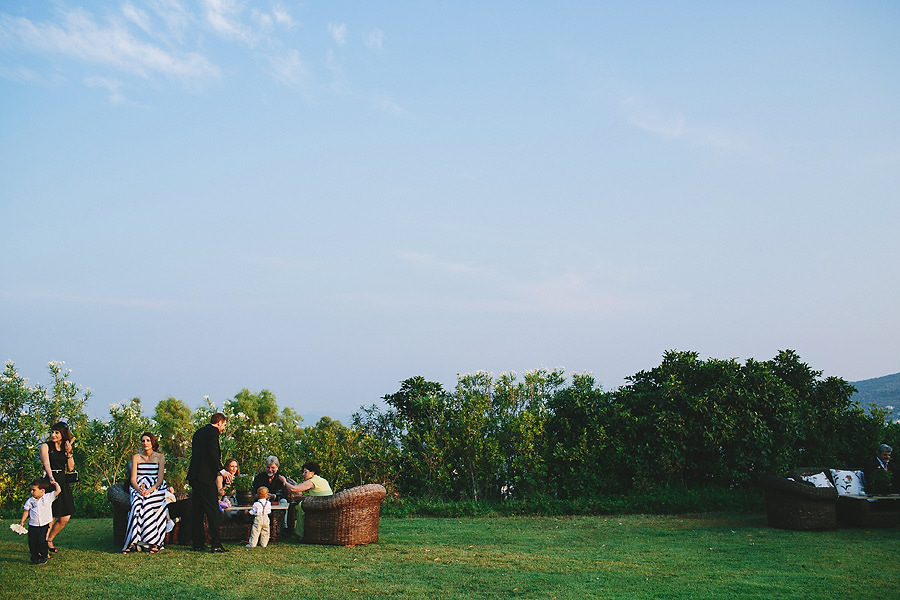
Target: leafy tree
(421, 414)
(26, 414)
(582, 457)
(174, 427)
(376, 455)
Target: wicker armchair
(799, 505)
(348, 518)
(119, 498)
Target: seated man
(278, 486)
(270, 479)
(882, 475)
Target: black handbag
(72, 477)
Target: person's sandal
(52, 549)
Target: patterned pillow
(818, 480)
(848, 483)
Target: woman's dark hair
(63, 428)
(312, 467)
(154, 443)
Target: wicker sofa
(860, 510)
(348, 518)
(796, 504)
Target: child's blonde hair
(262, 492)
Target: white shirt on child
(261, 507)
(40, 510)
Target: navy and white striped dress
(147, 519)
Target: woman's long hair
(66, 436)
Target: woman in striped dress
(147, 520)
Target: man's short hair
(217, 418)
(885, 448)
(273, 460)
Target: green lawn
(635, 556)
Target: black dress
(64, 505)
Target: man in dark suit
(891, 475)
(206, 463)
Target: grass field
(635, 556)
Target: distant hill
(883, 391)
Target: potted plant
(243, 485)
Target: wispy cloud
(387, 104)
(338, 33)
(675, 126)
(118, 301)
(224, 17)
(289, 69)
(111, 85)
(375, 39)
(432, 262)
(80, 37)
(570, 292)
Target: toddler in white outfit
(260, 510)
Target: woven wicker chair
(799, 505)
(118, 497)
(348, 518)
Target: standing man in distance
(206, 464)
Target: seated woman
(146, 529)
(231, 465)
(312, 484)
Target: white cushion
(818, 480)
(848, 483)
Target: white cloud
(338, 32)
(571, 292)
(289, 69)
(61, 298)
(136, 16)
(433, 263)
(81, 38)
(282, 17)
(675, 126)
(388, 105)
(375, 39)
(173, 15)
(223, 17)
(111, 85)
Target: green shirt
(320, 487)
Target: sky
(324, 199)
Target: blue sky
(324, 199)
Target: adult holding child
(146, 529)
(206, 464)
(57, 459)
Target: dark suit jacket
(874, 465)
(206, 456)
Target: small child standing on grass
(38, 512)
(260, 510)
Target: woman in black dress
(56, 456)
